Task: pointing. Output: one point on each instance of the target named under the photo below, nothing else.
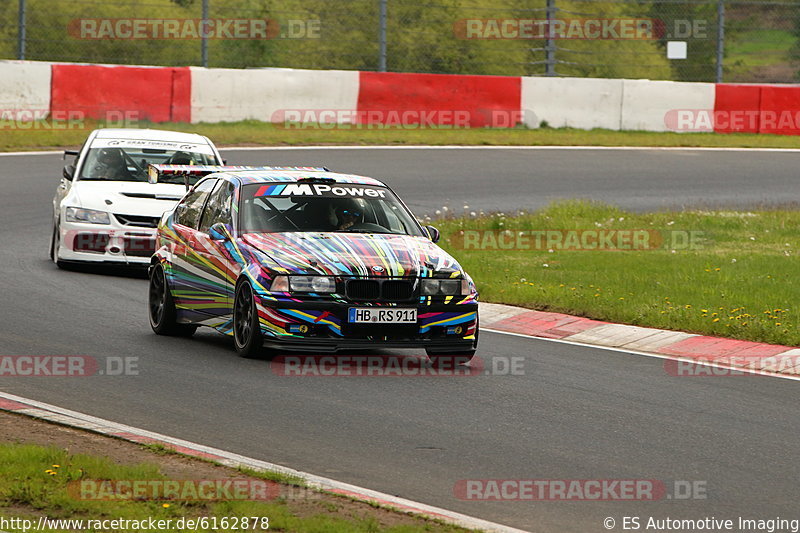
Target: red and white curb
(764, 359)
(66, 417)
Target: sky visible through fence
(755, 42)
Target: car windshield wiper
(367, 231)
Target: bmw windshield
(345, 208)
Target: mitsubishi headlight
(444, 287)
(317, 284)
(87, 216)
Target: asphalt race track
(501, 179)
(575, 413)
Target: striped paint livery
(203, 273)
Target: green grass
(740, 281)
(286, 479)
(259, 133)
(34, 482)
(759, 48)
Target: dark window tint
(218, 208)
(188, 211)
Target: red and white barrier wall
(190, 94)
(226, 95)
(24, 90)
(157, 94)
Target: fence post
(549, 44)
(720, 37)
(382, 37)
(204, 36)
(21, 31)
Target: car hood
(128, 197)
(354, 254)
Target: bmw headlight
(444, 287)
(87, 216)
(317, 284)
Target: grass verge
(42, 135)
(723, 273)
(44, 481)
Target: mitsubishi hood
(128, 197)
(353, 254)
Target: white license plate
(372, 315)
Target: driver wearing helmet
(111, 165)
(348, 213)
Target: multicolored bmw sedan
(306, 259)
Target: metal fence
(741, 41)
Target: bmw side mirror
(69, 172)
(433, 233)
(220, 231)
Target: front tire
(247, 337)
(161, 307)
(55, 246)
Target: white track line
(510, 147)
(737, 370)
(48, 152)
(235, 460)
